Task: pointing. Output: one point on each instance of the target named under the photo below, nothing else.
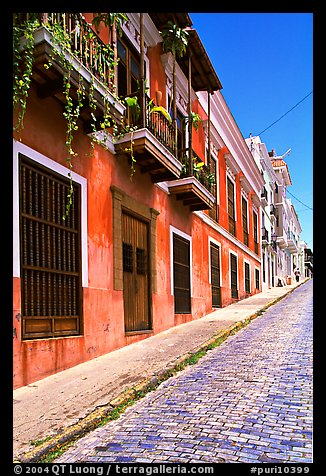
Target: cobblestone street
(249, 400)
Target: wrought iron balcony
(264, 235)
(195, 186)
(273, 210)
(153, 142)
(292, 244)
(264, 197)
(65, 44)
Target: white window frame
(176, 231)
(19, 147)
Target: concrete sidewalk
(69, 403)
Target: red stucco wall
(103, 318)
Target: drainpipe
(189, 118)
(142, 72)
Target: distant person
(297, 274)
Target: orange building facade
(136, 254)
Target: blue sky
(265, 64)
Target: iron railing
(201, 173)
(155, 121)
(80, 39)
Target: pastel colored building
(268, 212)
(165, 220)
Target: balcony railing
(201, 173)
(80, 39)
(155, 121)
(264, 196)
(66, 46)
(273, 210)
(264, 235)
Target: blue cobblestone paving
(249, 400)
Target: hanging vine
(23, 48)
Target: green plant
(23, 55)
(109, 19)
(163, 111)
(175, 40)
(22, 65)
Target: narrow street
(249, 400)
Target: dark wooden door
(234, 276)
(215, 275)
(135, 274)
(181, 275)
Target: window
(231, 206)
(245, 221)
(213, 212)
(181, 275)
(234, 276)
(128, 68)
(255, 217)
(257, 278)
(247, 277)
(215, 275)
(50, 253)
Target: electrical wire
(297, 104)
(299, 200)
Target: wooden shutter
(245, 222)
(257, 279)
(255, 220)
(181, 275)
(215, 275)
(234, 276)
(50, 254)
(247, 278)
(231, 206)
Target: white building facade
(268, 212)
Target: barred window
(50, 253)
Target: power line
(297, 104)
(299, 200)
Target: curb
(96, 417)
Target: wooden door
(135, 274)
(215, 275)
(181, 275)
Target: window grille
(50, 256)
(127, 257)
